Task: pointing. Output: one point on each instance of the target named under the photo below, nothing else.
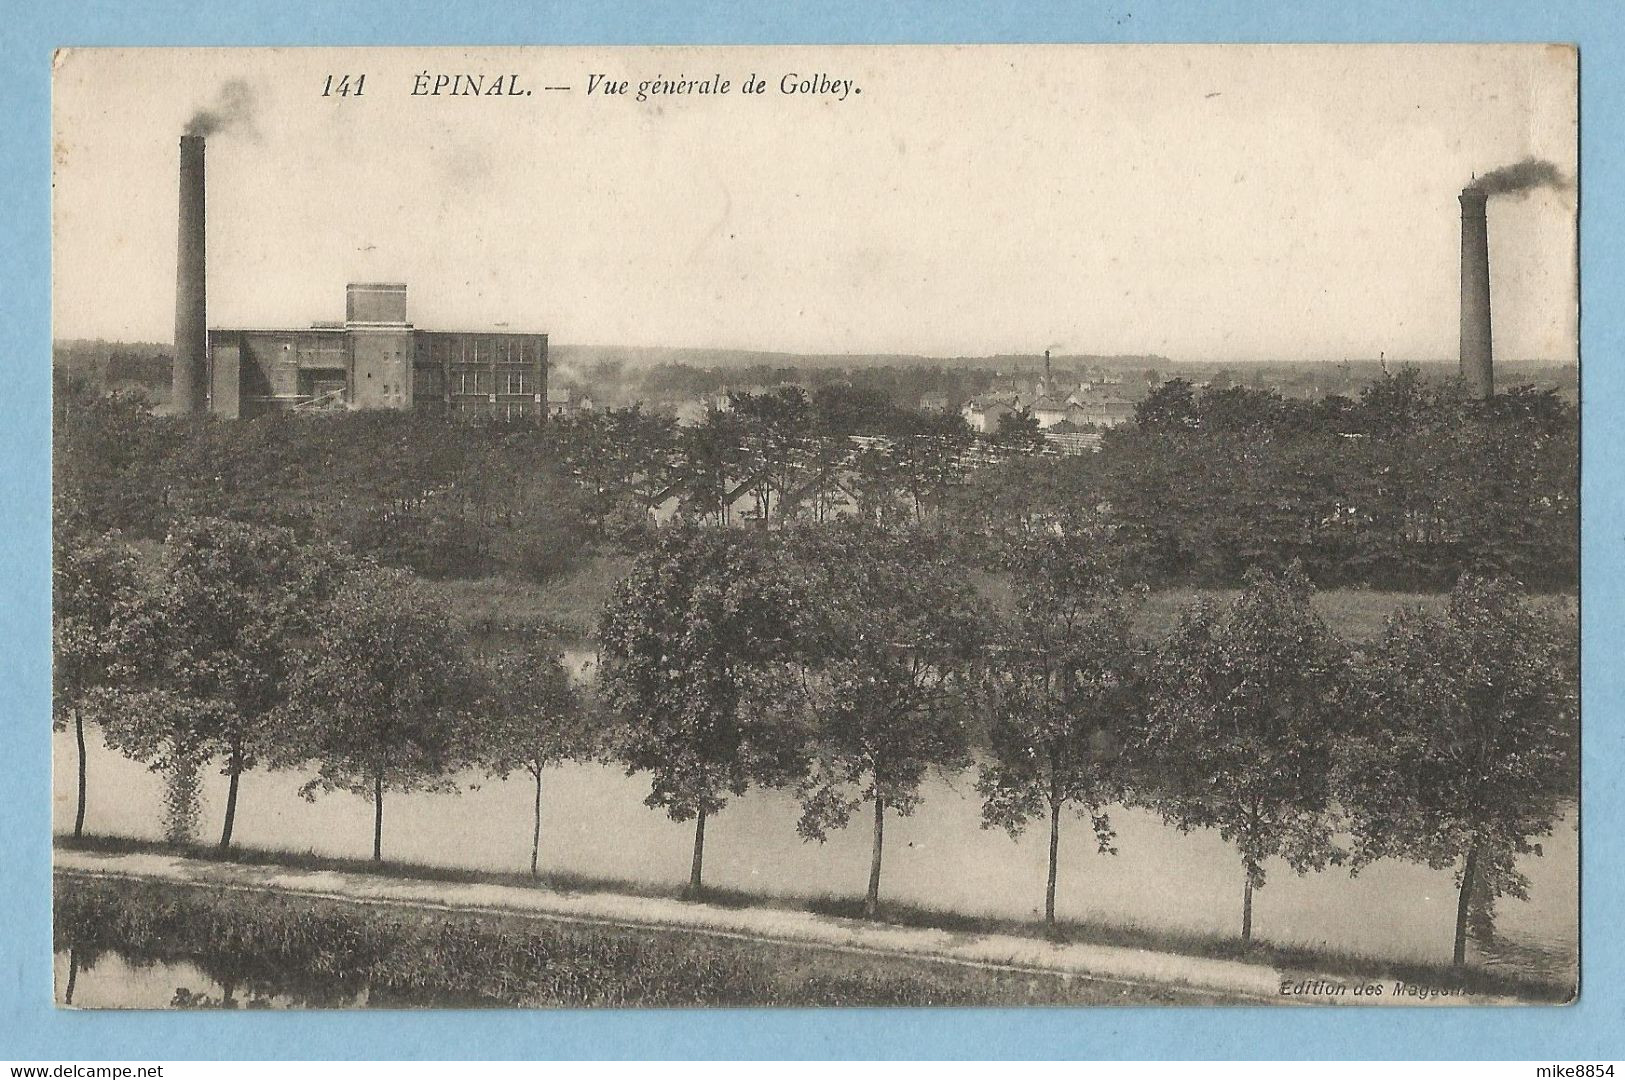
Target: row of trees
(245, 646)
(1407, 487)
(844, 663)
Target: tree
(1063, 693)
(614, 456)
(532, 718)
(380, 702)
(1244, 711)
(1169, 407)
(93, 579)
(219, 636)
(689, 643)
(883, 678)
(164, 731)
(776, 425)
(840, 409)
(1019, 430)
(107, 462)
(877, 483)
(1466, 752)
(929, 462)
(1239, 408)
(711, 459)
(822, 487)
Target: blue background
(30, 1028)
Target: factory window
(517, 382)
(472, 382)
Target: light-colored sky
(1223, 203)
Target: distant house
(1102, 412)
(936, 401)
(563, 401)
(983, 414)
(1049, 411)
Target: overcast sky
(1224, 203)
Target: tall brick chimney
(189, 393)
(1477, 365)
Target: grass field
(572, 602)
(1223, 947)
(320, 952)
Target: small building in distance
(564, 401)
(375, 359)
(1101, 412)
(1048, 411)
(983, 414)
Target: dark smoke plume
(233, 107)
(1526, 175)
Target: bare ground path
(1245, 982)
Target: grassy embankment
(321, 952)
(1325, 962)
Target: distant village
(1071, 399)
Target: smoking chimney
(1477, 367)
(189, 392)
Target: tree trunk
(1054, 862)
(378, 818)
(1247, 909)
(231, 797)
(871, 903)
(694, 886)
(73, 974)
(536, 833)
(1463, 902)
(79, 735)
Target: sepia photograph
(784, 526)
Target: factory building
(376, 359)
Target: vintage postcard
(784, 526)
